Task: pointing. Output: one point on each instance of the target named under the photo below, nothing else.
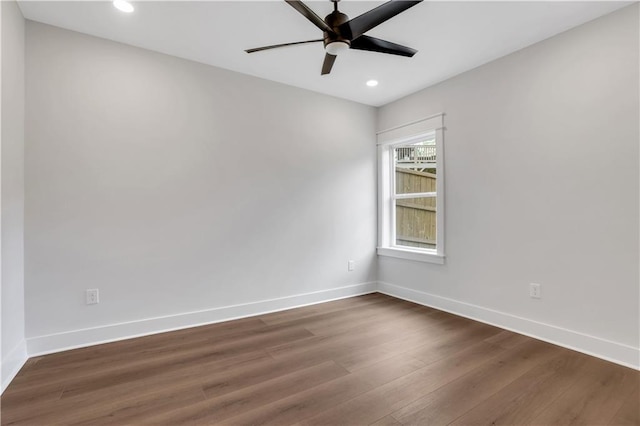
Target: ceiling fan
(340, 33)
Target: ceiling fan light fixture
(372, 83)
(341, 33)
(123, 6)
(335, 47)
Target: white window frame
(387, 141)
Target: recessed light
(123, 5)
(372, 83)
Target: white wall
(176, 187)
(12, 146)
(541, 173)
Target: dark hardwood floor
(365, 360)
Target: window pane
(415, 167)
(416, 222)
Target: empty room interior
(320, 212)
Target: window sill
(408, 254)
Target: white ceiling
(451, 37)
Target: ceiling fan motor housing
(334, 20)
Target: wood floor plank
(324, 397)
(386, 421)
(139, 407)
(594, 398)
(119, 394)
(136, 366)
(97, 355)
(114, 407)
(450, 340)
(218, 409)
(526, 397)
(16, 397)
(180, 357)
(267, 369)
(331, 325)
(377, 333)
(507, 339)
(345, 315)
(335, 308)
(443, 341)
(109, 363)
(446, 403)
(365, 360)
(182, 375)
(390, 397)
(629, 413)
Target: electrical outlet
(535, 291)
(352, 265)
(92, 296)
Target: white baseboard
(12, 363)
(41, 345)
(611, 351)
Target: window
(411, 216)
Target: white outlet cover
(535, 290)
(92, 296)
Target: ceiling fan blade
(310, 15)
(328, 63)
(368, 20)
(274, 46)
(377, 45)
